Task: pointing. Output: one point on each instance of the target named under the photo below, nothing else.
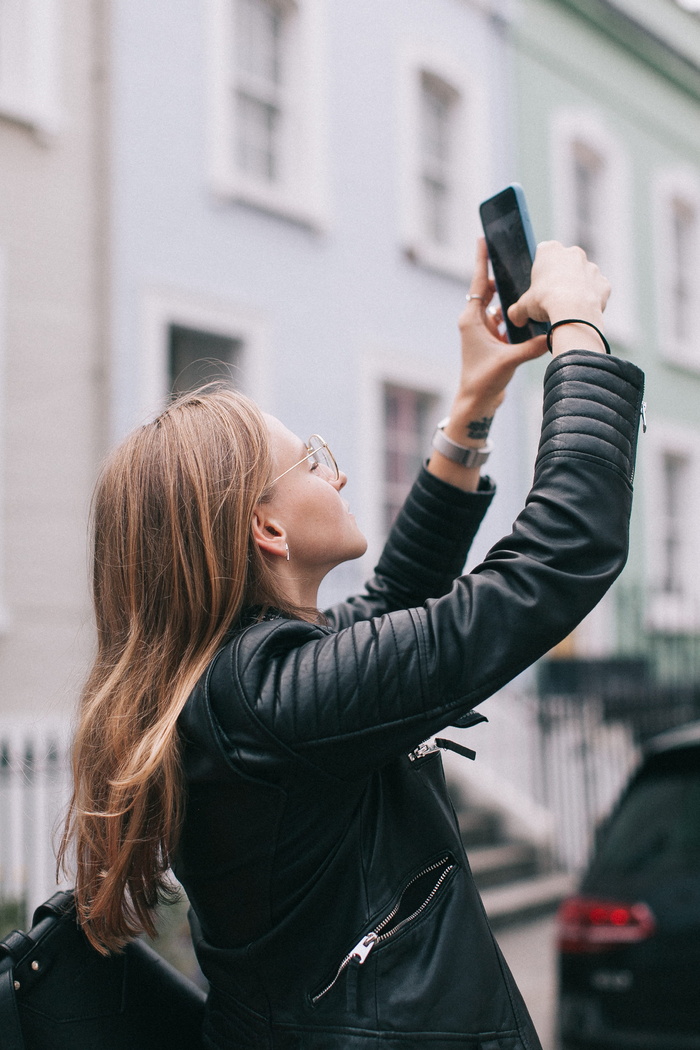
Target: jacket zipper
(426, 748)
(440, 744)
(642, 417)
(376, 936)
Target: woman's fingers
(530, 349)
(564, 283)
(494, 321)
(481, 288)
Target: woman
(271, 755)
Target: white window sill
(447, 263)
(273, 201)
(673, 614)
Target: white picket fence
(34, 791)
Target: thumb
(530, 349)
(518, 311)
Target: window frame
(470, 168)
(302, 197)
(389, 486)
(381, 365)
(573, 128)
(669, 612)
(671, 185)
(163, 308)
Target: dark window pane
(198, 357)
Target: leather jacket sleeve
(426, 549)
(343, 703)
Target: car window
(656, 829)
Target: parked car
(629, 941)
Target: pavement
(529, 951)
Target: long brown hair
(174, 565)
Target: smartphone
(511, 244)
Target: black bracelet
(576, 320)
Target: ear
(268, 533)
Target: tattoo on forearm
(479, 428)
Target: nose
(340, 482)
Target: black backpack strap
(12, 949)
(12, 1038)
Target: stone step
(479, 826)
(499, 864)
(526, 898)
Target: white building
(286, 189)
(52, 342)
(295, 190)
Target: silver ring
(470, 297)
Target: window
(683, 238)
(589, 189)
(403, 393)
(672, 495)
(189, 340)
(28, 62)
(677, 260)
(196, 357)
(439, 105)
(675, 478)
(406, 442)
(441, 160)
(261, 106)
(266, 105)
(591, 195)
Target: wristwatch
(467, 457)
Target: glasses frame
(309, 455)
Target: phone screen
(511, 249)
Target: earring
(286, 547)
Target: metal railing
(34, 790)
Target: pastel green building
(608, 115)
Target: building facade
(280, 192)
(609, 151)
(52, 342)
(295, 200)
(53, 407)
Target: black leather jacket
(333, 898)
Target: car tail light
(587, 924)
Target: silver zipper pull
(365, 946)
(644, 417)
(422, 749)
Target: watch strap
(466, 457)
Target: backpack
(58, 993)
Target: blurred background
(285, 193)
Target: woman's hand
(488, 364)
(488, 359)
(564, 284)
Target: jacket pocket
(417, 895)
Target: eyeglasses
(323, 460)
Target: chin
(356, 548)
(359, 551)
